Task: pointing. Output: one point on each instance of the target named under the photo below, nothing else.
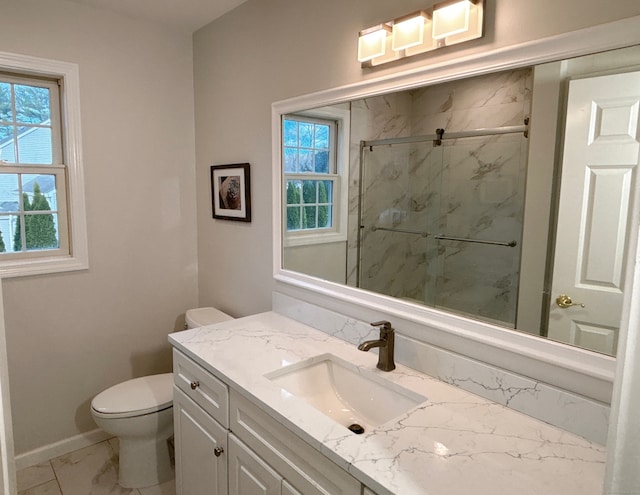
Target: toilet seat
(135, 397)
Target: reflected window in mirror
(310, 173)
(314, 177)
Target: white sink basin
(344, 392)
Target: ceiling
(189, 15)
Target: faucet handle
(385, 324)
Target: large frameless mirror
(503, 198)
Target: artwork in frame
(231, 192)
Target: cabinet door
(201, 445)
(248, 474)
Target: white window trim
(341, 197)
(78, 257)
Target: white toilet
(140, 413)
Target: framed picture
(231, 192)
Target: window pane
(34, 145)
(309, 191)
(41, 231)
(324, 216)
(322, 162)
(327, 196)
(7, 152)
(9, 193)
(7, 229)
(290, 137)
(294, 218)
(322, 136)
(41, 192)
(305, 161)
(306, 134)
(291, 160)
(32, 104)
(293, 192)
(6, 110)
(310, 217)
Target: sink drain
(356, 428)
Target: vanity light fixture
(450, 18)
(444, 24)
(372, 42)
(409, 31)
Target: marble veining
(566, 410)
(454, 443)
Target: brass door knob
(565, 301)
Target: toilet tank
(199, 317)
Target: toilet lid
(138, 396)
(199, 317)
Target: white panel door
(599, 169)
(287, 489)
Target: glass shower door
(483, 185)
(399, 199)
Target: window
(31, 178)
(314, 171)
(41, 190)
(309, 162)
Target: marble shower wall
(468, 188)
(382, 117)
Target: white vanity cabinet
(226, 445)
(200, 448)
(200, 421)
(306, 471)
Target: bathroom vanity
(245, 422)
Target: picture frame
(231, 192)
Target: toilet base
(144, 462)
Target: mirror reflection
(447, 195)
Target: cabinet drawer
(201, 387)
(301, 465)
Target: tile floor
(89, 471)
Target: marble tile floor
(92, 470)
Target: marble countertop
(454, 443)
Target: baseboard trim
(62, 447)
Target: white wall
(7, 467)
(268, 51)
(71, 335)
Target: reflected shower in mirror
(446, 194)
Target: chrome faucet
(385, 343)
